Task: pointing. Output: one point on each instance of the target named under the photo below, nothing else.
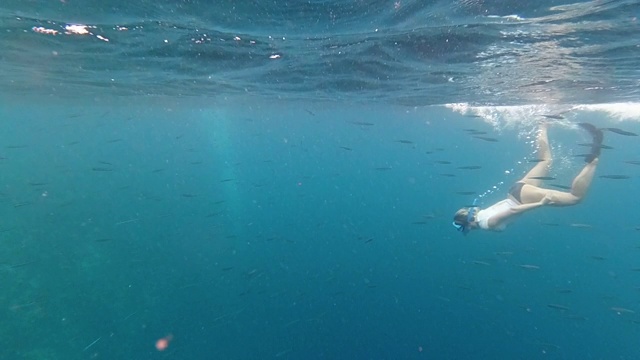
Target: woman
(527, 194)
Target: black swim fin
(596, 145)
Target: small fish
(470, 167)
(558, 307)
(404, 141)
(547, 345)
(189, 195)
(615, 177)
(105, 163)
(565, 187)
(530, 267)
(443, 162)
(486, 138)
(101, 169)
(114, 141)
(601, 146)
(448, 175)
(346, 148)
(621, 132)
(476, 132)
(126, 222)
(130, 315)
(362, 123)
(542, 178)
(582, 226)
(555, 117)
(621, 310)
(310, 112)
(368, 240)
(19, 265)
(93, 343)
(483, 263)
(633, 162)
(597, 257)
(226, 180)
(37, 183)
(536, 160)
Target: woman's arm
(498, 219)
(524, 207)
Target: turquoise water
(299, 207)
(251, 232)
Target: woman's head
(463, 218)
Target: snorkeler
(527, 194)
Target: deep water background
(246, 230)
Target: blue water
(277, 180)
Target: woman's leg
(580, 184)
(544, 160)
(579, 189)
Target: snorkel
(465, 228)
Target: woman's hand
(546, 200)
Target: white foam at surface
(628, 111)
(519, 116)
